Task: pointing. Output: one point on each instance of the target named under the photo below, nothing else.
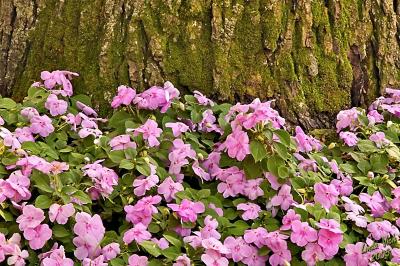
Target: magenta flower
(136, 260)
(122, 142)
(233, 183)
(302, 233)
(312, 254)
(138, 233)
(329, 237)
(168, 189)
(251, 210)
(31, 217)
(55, 106)
(237, 144)
(125, 96)
(61, 213)
(38, 236)
(284, 198)
(188, 210)
(326, 195)
(177, 128)
(349, 138)
(41, 125)
(150, 132)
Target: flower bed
(181, 180)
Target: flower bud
(389, 123)
(200, 156)
(96, 141)
(146, 159)
(87, 159)
(181, 106)
(332, 145)
(370, 175)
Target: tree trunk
(314, 57)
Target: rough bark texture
(314, 56)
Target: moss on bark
(314, 57)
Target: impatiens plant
(181, 180)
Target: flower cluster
(181, 181)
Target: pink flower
(58, 77)
(16, 187)
(125, 96)
(233, 182)
(200, 172)
(306, 143)
(252, 188)
(326, 195)
(238, 248)
(288, 219)
(58, 167)
(17, 257)
(29, 112)
(31, 217)
(237, 144)
(252, 258)
(188, 210)
(354, 255)
(377, 203)
(122, 142)
(61, 213)
(110, 251)
(256, 236)
(284, 198)
(374, 117)
(5, 247)
(182, 260)
(24, 134)
(251, 210)
(88, 225)
(177, 128)
(136, 260)
(138, 233)
(208, 230)
(142, 184)
(87, 246)
(38, 236)
(162, 243)
(55, 106)
(104, 178)
(56, 257)
(201, 99)
(86, 109)
(99, 261)
(302, 233)
(168, 189)
(281, 257)
(150, 132)
(347, 118)
(381, 229)
(329, 237)
(379, 139)
(312, 254)
(272, 180)
(41, 125)
(349, 138)
(212, 258)
(142, 211)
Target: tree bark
(314, 57)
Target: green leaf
(116, 156)
(173, 240)
(60, 231)
(82, 196)
(151, 248)
(364, 166)
(8, 217)
(238, 228)
(7, 103)
(379, 163)
(117, 262)
(43, 202)
(366, 146)
(41, 181)
(283, 171)
(283, 136)
(273, 163)
(126, 164)
(143, 168)
(118, 120)
(171, 253)
(258, 150)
